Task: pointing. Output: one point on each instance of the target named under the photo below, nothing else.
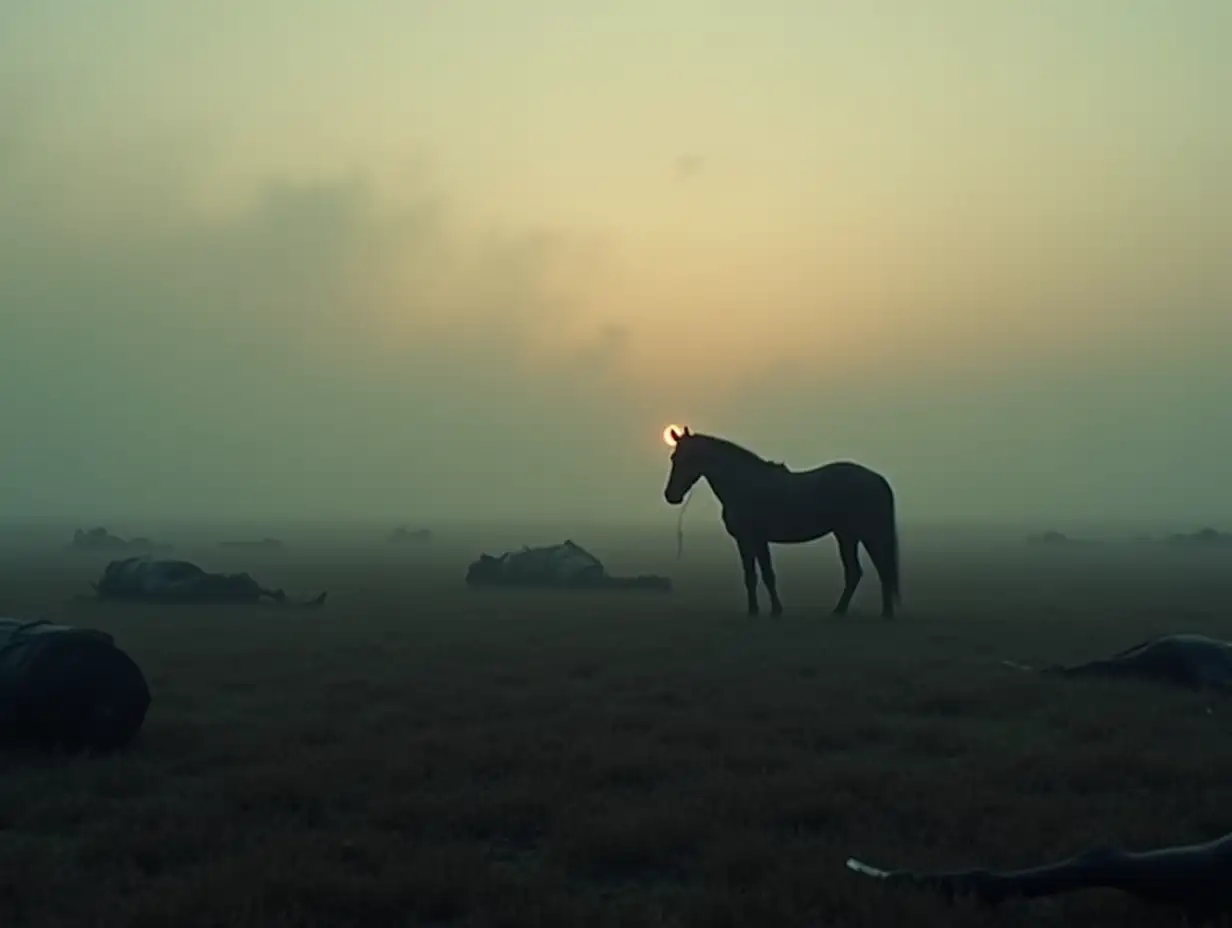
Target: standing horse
(764, 502)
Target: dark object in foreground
(566, 566)
(67, 687)
(139, 579)
(1193, 661)
(1196, 877)
(765, 503)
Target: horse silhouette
(766, 503)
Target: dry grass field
(416, 753)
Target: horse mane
(739, 451)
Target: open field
(419, 754)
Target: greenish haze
(431, 259)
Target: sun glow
(667, 435)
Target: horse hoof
(776, 612)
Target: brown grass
(419, 754)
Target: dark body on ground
(415, 753)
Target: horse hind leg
(883, 559)
(748, 562)
(849, 552)
(768, 578)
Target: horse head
(687, 466)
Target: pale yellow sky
(349, 258)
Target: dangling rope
(680, 524)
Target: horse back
(840, 480)
(795, 506)
(838, 470)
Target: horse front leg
(768, 578)
(748, 561)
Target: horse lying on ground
(563, 566)
(1193, 661)
(765, 503)
(1206, 537)
(268, 544)
(1055, 539)
(67, 687)
(1196, 878)
(405, 536)
(139, 579)
(99, 539)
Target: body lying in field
(1193, 661)
(67, 687)
(405, 536)
(1197, 878)
(99, 539)
(564, 566)
(170, 581)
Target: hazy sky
(413, 259)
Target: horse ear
(686, 432)
(676, 436)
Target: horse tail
(891, 545)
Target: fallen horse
(1196, 878)
(99, 539)
(563, 566)
(140, 579)
(405, 536)
(269, 544)
(1193, 661)
(67, 687)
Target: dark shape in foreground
(563, 566)
(765, 503)
(1196, 877)
(1193, 661)
(66, 687)
(268, 544)
(139, 579)
(404, 536)
(99, 539)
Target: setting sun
(667, 435)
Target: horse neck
(732, 476)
